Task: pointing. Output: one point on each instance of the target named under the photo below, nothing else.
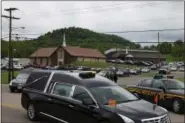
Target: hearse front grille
(161, 119)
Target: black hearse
(69, 97)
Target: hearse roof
(75, 78)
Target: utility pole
(159, 49)
(10, 62)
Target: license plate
(19, 87)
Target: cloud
(101, 16)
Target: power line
(146, 30)
(96, 7)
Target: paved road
(12, 110)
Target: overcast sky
(43, 16)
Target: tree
(165, 47)
(178, 50)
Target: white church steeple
(126, 51)
(64, 41)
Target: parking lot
(12, 110)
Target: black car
(18, 82)
(70, 97)
(169, 91)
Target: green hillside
(74, 36)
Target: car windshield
(22, 76)
(175, 84)
(104, 94)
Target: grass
(150, 74)
(181, 79)
(101, 64)
(4, 76)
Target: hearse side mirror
(88, 102)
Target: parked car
(133, 72)
(164, 70)
(181, 68)
(119, 61)
(145, 70)
(18, 82)
(153, 67)
(129, 62)
(84, 97)
(83, 68)
(123, 72)
(170, 92)
(173, 68)
(107, 73)
(15, 66)
(179, 64)
(145, 63)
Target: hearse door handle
(49, 99)
(71, 106)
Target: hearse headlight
(126, 119)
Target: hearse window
(157, 84)
(38, 80)
(80, 94)
(62, 89)
(146, 83)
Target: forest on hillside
(88, 39)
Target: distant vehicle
(18, 82)
(150, 63)
(111, 61)
(164, 70)
(181, 68)
(133, 72)
(129, 62)
(180, 64)
(145, 70)
(145, 63)
(142, 63)
(83, 68)
(173, 68)
(170, 92)
(170, 63)
(18, 66)
(123, 72)
(119, 61)
(153, 67)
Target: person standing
(115, 77)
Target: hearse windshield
(104, 94)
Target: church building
(64, 54)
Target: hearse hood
(139, 109)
